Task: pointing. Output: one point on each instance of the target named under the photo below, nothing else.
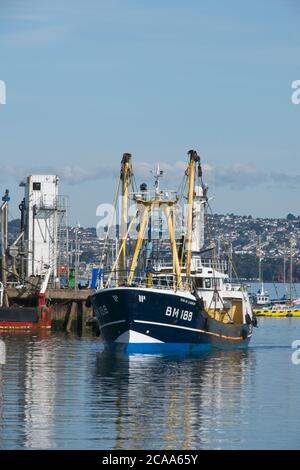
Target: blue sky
(90, 79)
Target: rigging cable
(115, 201)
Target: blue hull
(171, 348)
(159, 348)
(148, 321)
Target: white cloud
(235, 177)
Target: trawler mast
(194, 158)
(126, 173)
(145, 206)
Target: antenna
(158, 173)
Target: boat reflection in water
(174, 402)
(40, 395)
(59, 392)
(32, 396)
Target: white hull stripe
(234, 338)
(113, 323)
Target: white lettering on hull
(177, 313)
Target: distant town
(241, 234)
(273, 238)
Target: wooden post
(72, 316)
(86, 313)
(81, 318)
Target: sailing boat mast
(260, 276)
(194, 158)
(284, 268)
(125, 178)
(292, 242)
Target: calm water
(61, 392)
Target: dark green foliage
(246, 266)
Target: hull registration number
(177, 313)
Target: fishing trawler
(145, 304)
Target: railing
(218, 265)
(164, 195)
(167, 281)
(154, 280)
(47, 202)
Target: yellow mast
(145, 207)
(194, 158)
(143, 223)
(125, 178)
(120, 251)
(171, 228)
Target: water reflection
(2, 353)
(58, 391)
(39, 395)
(27, 386)
(171, 402)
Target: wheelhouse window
(36, 186)
(199, 282)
